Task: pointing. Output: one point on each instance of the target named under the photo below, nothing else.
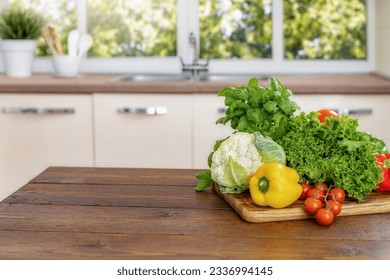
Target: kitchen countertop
(90, 83)
(123, 213)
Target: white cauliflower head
(236, 159)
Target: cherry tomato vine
(322, 201)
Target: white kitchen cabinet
(372, 110)
(207, 109)
(143, 130)
(135, 130)
(42, 130)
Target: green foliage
(241, 28)
(252, 108)
(205, 180)
(325, 29)
(336, 153)
(19, 23)
(132, 28)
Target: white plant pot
(18, 57)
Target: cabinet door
(42, 130)
(370, 109)
(207, 109)
(143, 130)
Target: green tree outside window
(324, 29)
(235, 28)
(132, 28)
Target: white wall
(382, 63)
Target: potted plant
(19, 30)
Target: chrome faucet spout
(193, 44)
(194, 70)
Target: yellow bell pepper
(275, 185)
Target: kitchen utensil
(56, 40)
(48, 41)
(84, 44)
(73, 41)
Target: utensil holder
(67, 65)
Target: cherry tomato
(314, 193)
(324, 217)
(312, 205)
(324, 113)
(335, 207)
(380, 157)
(336, 194)
(322, 187)
(305, 190)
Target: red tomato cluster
(322, 201)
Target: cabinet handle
(354, 112)
(153, 110)
(221, 110)
(37, 111)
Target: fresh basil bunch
(251, 108)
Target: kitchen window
(132, 28)
(246, 36)
(235, 29)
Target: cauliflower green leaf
(235, 177)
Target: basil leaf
(225, 91)
(242, 124)
(271, 106)
(229, 100)
(276, 85)
(253, 83)
(254, 115)
(205, 180)
(240, 93)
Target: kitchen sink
(152, 78)
(232, 77)
(180, 77)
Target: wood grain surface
(119, 213)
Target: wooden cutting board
(245, 207)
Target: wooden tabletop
(119, 213)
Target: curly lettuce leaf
(335, 152)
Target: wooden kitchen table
(120, 213)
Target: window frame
(187, 21)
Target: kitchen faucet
(195, 55)
(195, 71)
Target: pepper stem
(263, 184)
